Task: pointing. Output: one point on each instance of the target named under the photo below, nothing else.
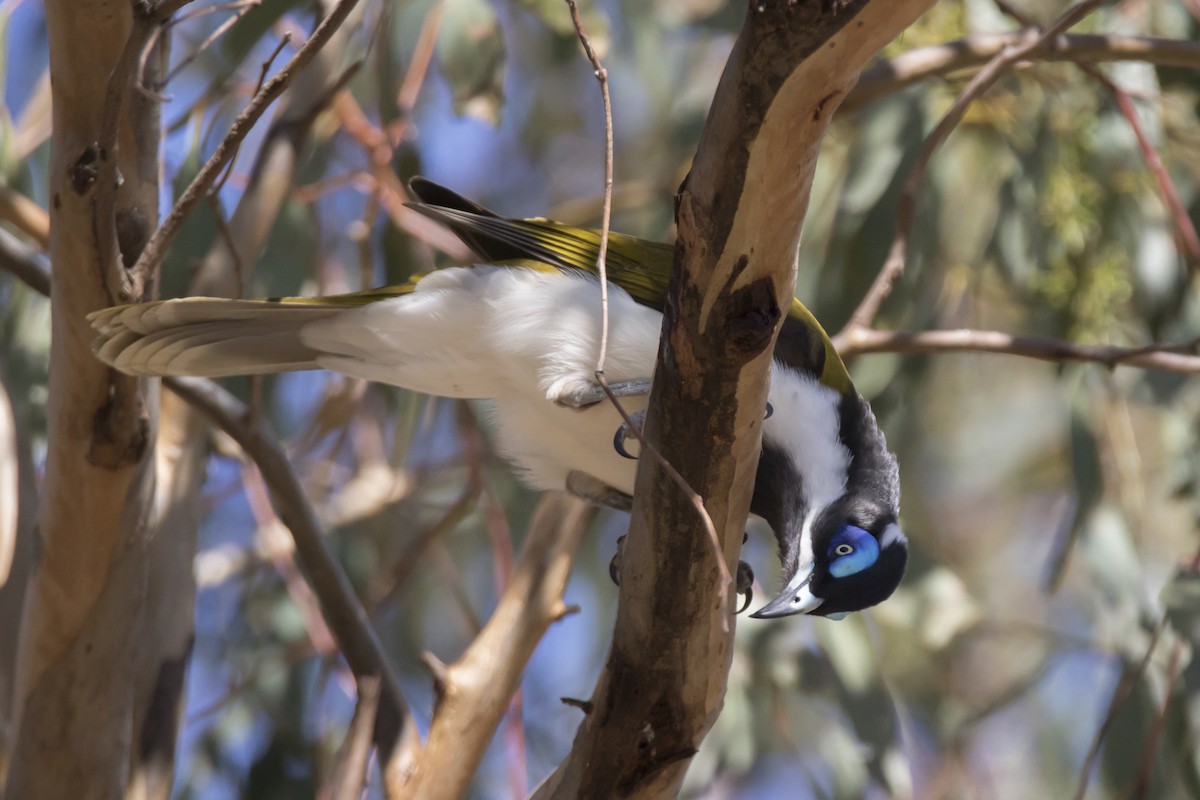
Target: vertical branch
(632, 426)
(664, 680)
(84, 614)
(476, 689)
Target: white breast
(517, 336)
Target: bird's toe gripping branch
(624, 434)
(745, 575)
(589, 394)
(638, 418)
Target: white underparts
(520, 337)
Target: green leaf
(1088, 477)
(1180, 598)
(471, 53)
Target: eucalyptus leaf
(1180, 598)
(471, 53)
(1088, 479)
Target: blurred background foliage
(1052, 508)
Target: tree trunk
(84, 617)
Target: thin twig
(1146, 768)
(893, 265)
(475, 691)
(634, 429)
(29, 266)
(162, 238)
(418, 68)
(1120, 695)
(278, 550)
(343, 613)
(163, 10)
(283, 42)
(1185, 231)
(1183, 358)
(25, 215)
(892, 75)
(356, 751)
(239, 268)
(240, 10)
(606, 212)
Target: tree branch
(208, 174)
(356, 751)
(1181, 358)
(477, 688)
(890, 76)
(26, 263)
(26, 215)
(84, 615)
(664, 679)
(339, 605)
(893, 266)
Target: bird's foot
(624, 434)
(614, 566)
(581, 397)
(744, 582)
(597, 492)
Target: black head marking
(873, 584)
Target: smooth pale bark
(83, 619)
(183, 440)
(476, 691)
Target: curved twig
(1182, 358)
(893, 266)
(894, 74)
(208, 174)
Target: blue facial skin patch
(852, 550)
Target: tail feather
(209, 337)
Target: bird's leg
(587, 396)
(638, 419)
(597, 492)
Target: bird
(521, 328)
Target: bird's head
(830, 489)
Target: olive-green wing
(639, 267)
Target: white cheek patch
(891, 535)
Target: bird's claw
(745, 584)
(614, 566)
(624, 434)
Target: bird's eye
(852, 550)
